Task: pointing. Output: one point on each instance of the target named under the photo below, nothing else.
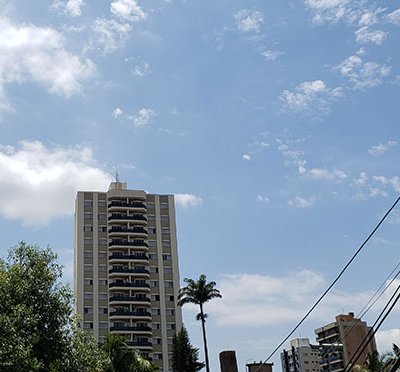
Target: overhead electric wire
(373, 329)
(362, 312)
(332, 284)
(371, 302)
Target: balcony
(123, 313)
(129, 285)
(129, 328)
(119, 298)
(140, 344)
(137, 257)
(135, 243)
(126, 270)
(126, 230)
(124, 217)
(123, 204)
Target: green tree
(184, 356)
(37, 330)
(34, 310)
(199, 292)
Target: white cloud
(38, 184)
(263, 199)
(394, 17)
(330, 10)
(390, 181)
(362, 74)
(110, 33)
(187, 200)
(270, 55)
(374, 186)
(246, 157)
(325, 174)
(381, 148)
(249, 21)
(127, 10)
(141, 70)
(300, 202)
(365, 36)
(385, 339)
(70, 7)
(117, 112)
(313, 97)
(30, 53)
(143, 117)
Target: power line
(332, 284)
(373, 330)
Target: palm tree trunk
(203, 326)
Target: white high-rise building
(126, 275)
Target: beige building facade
(340, 340)
(126, 274)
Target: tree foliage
(123, 359)
(185, 357)
(37, 330)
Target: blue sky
(275, 124)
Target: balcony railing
(137, 256)
(128, 271)
(130, 313)
(130, 328)
(129, 299)
(130, 285)
(116, 203)
(139, 343)
(135, 217)
(138, 243)
(133, 230)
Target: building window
(164, 218)
(88, 254)
(103, 325)
(152, 256)
(88, 216)
(88, 296)
(102, 216)
(156, 326)
(171, 326)
(102, 203)
(153, 283)
(88, 241)
(102, 254)
(155, 311)
(87, 228)
(153, 269)
(103, 296)
(166, 243)
(103, 268)
(166, 257)
(88, 282)
(163, 205)
(169, 298)
(170, 312)
(102, 228)
(88, 203)
(155, 297)
(157, 341)
(87, 325)
(102, 282)
(88, 268)
(152, 243)
(102, 241)
(88, 310)
(151, 217)
(167, 270)
(169, 284)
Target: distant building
(126, 275)
(302, 357)
(259, 367)
(339, 341)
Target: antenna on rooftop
(117, 174)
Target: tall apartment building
(302, 357)
(126, 276)
(339, 341)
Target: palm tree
(123, 359)
(199, 293)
